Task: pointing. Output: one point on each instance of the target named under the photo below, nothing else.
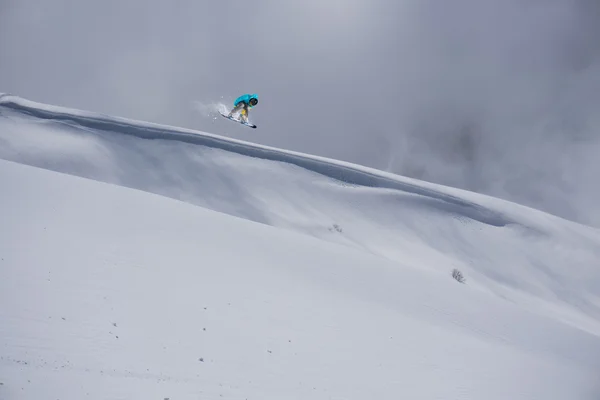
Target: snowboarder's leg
(244, 114)
(236, 109)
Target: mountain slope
(539, 261)
(109, 292)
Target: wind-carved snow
(353, 299)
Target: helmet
(253, 101)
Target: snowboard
(237, 120)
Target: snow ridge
(344, 172)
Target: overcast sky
(496, 96)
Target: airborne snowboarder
(242, 105)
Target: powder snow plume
(211, 109)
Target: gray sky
(496, 96)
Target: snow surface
(297, 277)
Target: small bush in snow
(456, 274)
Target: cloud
(496, 96)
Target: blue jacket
(245, 98)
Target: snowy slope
(351, 299)
(109, 292)
(529, 257)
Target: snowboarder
(242, 104)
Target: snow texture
(240, 271)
